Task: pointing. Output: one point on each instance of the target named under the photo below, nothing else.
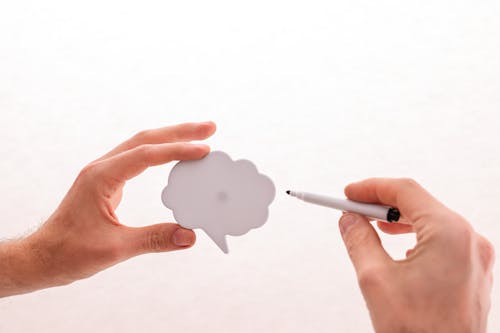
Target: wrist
(42, 252)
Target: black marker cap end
(393, 215)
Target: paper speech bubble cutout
(218, 195)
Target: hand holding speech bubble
(218, 195)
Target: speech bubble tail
(220, 240)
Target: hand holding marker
(378, 212)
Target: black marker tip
(288, 192)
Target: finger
(395, 228)
(130, 163)
(412, 200)
(363, 244)
(177, 133)
(162, 237)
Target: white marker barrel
(374, 211)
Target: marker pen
(378, 212)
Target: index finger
(131, 163)
(176, 133)
(412, 200)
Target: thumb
(161, 237)
(362, 243)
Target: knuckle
(463, 235)
(183, 149)
(460, 237)
(371, 277)
(141, 136)
(184, 146)
(486, 252)
(409, 183)
(156, 241)
(466, 234)
(89, 171)
(145, 151)
(195, 149)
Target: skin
(84, 236)
(444, 283)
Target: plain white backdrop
(316, 93)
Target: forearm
(19, 272)
(13, 263)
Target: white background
(316, 93)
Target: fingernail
(347, 221)
(182, 237)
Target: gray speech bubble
(218, 195)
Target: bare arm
(84, 236)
